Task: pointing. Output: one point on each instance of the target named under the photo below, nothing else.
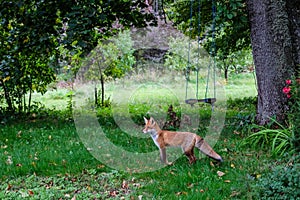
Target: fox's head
(150, 126)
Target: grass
(44, 157)
(52, 152)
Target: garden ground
(44, 157)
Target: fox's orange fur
(186, 140)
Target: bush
(295, 113)
(279, 140)
(242, 104)
(283, 182)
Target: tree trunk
(96, 96)
(226, 73)
(29, 101)
(273, 56)
(293, 10)
(7, 96)
(102, 89)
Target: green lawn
(44, 157)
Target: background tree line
(38, 37)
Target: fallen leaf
(9, 186)
(9, 160)
(258, 175)
(19, 134)
(220, 174)
(181, 193)
(30, 192)
(100, 166)
(235, 193)
(236, 132)
(113, 193)
(88, 187)
(227, 181)
(74, 198)
(124, 185)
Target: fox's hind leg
(190, 155)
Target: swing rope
(212, 54)
(212, 58)
(198, 52)
(187, 72)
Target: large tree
(275, 39)
(274, 29)
(34, 33)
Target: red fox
(186, 140)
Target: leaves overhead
(231, 27)
(32, 33)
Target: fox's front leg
(163, 156)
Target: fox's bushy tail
(206, 149)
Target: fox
(186, 140)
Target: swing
(209, 100)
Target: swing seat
(206, 100)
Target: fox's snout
(145, 130)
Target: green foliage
(232, 30)
(294, 113)
(234, 62)
(37, 38)
(279, 140)
(244, 120)
(46, 151)
(89, 184)
(179, 51)
(242, 104)
(111, 58)
(283, 182)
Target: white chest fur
(154, 138)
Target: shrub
(283, 182)
(242, 104)
(294, 115)
(280, 140)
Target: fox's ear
(146, 120)
(152, 121)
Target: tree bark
(272, 47)
(7, 96)
(293, 9)
(102, 89)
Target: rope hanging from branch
(212, 52)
